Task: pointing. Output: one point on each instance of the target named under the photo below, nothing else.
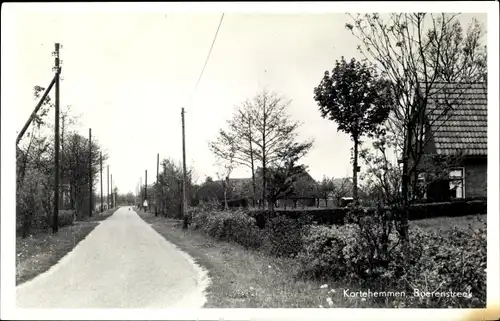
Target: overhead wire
(207, 59)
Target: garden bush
(455, 263)
(66, 217)
(323, 251)
(235, 226)
(330, 216)
(284, 236)
(432, 263)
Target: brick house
(460, 138)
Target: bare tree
(341, 188)
(223, 175)
(260, 131)
(236, 144)
(276, 134)
(420, 53)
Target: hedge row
(365, 254)
(330, 216)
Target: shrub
(454, 208)
(66, 217)
(324, 216)
(330, 216)
(456, 263)
(432, 263)
(322, 254)
(234, 226)
(284, 236)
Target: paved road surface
(123, 263)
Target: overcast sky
(129, 74)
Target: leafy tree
(35, 168)
(357, 99)
(210, 191)
(169, 196)
(420, 53)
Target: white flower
(329, 301)
(269, 266)
(251, 288)
(332, 291)
(324, 286)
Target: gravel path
(123, 263)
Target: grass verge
(243, 278)
(41, 250)
(445, 224)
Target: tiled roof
(458, 114)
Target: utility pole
(184, 200)
(57, 68)
(101, 183)
(146, 188)
(107, 197)
(157, 185)
(90, 172)
(112, 198)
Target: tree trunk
(355, 172)
(225, 199)
(404, 189)
(264, 157)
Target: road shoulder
(37, 253)
(241, 278)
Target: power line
(208, 56)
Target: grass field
(41, 250)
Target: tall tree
(236, 144)
(420, 53)
(276, 134)
(170, 187)
(260, 131)
(357, 99)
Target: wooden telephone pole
(157, 185)
(57, 68)
(90, 172)
(112, 198)
(184, 199)
(107, 197)
(101, 182)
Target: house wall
(476, 177)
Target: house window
(457, 183)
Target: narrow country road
(123, 263)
